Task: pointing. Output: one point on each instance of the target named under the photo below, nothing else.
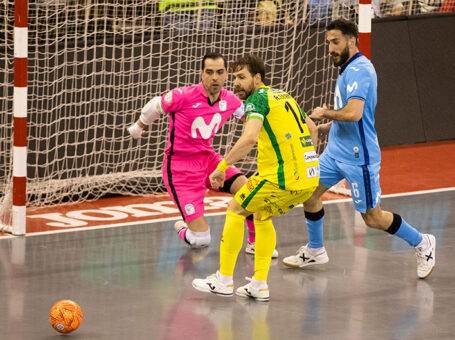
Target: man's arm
(149, 113)
(246, 142)
(243, 146)
(352, 112)
(313, 130)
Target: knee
(236, 208)
(372, 221)
(312, 204)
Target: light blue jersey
(355, 143)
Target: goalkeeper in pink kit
(196, 113)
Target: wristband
(135, 131)
(222, 166)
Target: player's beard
(244, 93)
(344, 56)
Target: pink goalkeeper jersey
(193, 121)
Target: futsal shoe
(257, 293)
(249, 249)
(213, 284)
(305, 257)
(426, 257)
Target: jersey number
(355, 189)
(289, 107)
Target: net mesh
(94, 64)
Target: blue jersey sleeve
(358, 81)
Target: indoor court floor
(134, 281)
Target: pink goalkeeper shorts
(187, 180)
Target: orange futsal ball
(65, 316)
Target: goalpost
(92, 66)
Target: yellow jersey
(286, 155)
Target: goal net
(93, 64)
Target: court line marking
(166, 219)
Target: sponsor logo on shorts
(223, 105)
(251, 184)
(310, 156)
(357, 201)
(189, 209)
(313, 171)
(168, 97)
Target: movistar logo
(352, 87)
(205, 130)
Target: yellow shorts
(261, 196)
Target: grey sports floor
(135, 282)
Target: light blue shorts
(363, 180)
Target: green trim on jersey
(257, 104)
(285, 149)
(255, 115)
(276, 147)
(304, 115)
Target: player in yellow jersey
(288, 173)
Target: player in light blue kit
(353, 153)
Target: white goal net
(93, 65)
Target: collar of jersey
(262, 87)
(201, 89)
(354, 57)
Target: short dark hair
(346, 27)
(213, 55)
(254, 64)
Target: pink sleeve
(173, 100)
(239, 112)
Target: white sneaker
(249, 291)
(305, 258)
(426, 257)
(249, 249)
(213, 284)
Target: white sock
(192, 235)
(423, 244)
(258, 284)
(226, 280)
(316, 251)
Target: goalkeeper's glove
(135, 131)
